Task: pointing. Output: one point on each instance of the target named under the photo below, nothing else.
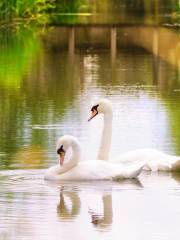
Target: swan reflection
(104, 220)
(69, 205)
(92, 202)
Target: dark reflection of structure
(113, 45)
(71, 211)
(162, 43)
(113, 50)
(71, 43)
(155, 61)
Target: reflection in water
(176, 176)
(59, 72)
(70, 205)
(47, 92)
(88, 209)
(71, 202)
(29, 157)
(105, 220)
(71, 210)
(156, 40)
(49, 78)
(160, 41)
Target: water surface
(49, 80)
(145, 208)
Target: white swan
(87, 170)
(155, 160)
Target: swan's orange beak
(93, 114)
(61, 158)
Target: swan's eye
(60, 150)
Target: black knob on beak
(60, 150)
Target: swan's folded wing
(95, 170)
(130, 170)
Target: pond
(49, 79)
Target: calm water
(49, 80)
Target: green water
(49, 79)
(47, 90)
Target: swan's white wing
(95, 170)
(154, 160)
(85, 170)
(130, 170)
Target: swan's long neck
(76, 155)
(106, 137)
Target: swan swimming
(155, 160)
(75, 169)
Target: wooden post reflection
(155, 41)
(113, 44)
(155, 55)
(159, 78)
(71, 42)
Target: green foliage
(73, 6)
(25, 8)
(40, 9)
(33, 7)
(68, 12)
(74, 11)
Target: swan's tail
(133, 170)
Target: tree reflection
(36, 86)
(174, 115)
(42, 73)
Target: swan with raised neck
(155, 159)
(104, 107)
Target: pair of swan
(128, 165)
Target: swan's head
(63, 144)
(102, 106)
